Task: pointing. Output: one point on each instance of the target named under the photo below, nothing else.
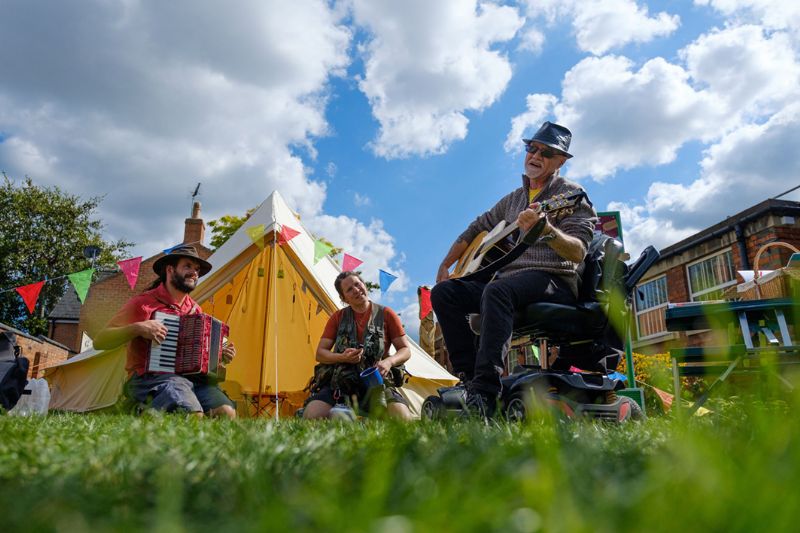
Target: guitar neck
(544, 207)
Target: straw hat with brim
(178, 252)
(553, 135)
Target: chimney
(195, 227)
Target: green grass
(735, 472)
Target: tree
(43, 232)
(224, 227)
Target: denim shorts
(170, 392)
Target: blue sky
(390, 125)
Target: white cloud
(370, 243)
(137, 102)
(747, 166)
(624, 118)
(427, 64)
(409, 316)
(603, 25)
(361, 200)
(621, 117)
(774, 14)
(642, 230)
(539, 108)
(745, 67)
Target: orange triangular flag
(665, 397)
(30, 293)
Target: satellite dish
(91, 252)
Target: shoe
(479, 404)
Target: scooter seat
(560, 321)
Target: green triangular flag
(81, 281)
(256, 233)
(321, 249)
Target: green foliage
(225, 226)
(43, 231)
(103, 472)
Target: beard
(182, 284)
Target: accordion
(193, 346)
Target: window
(651, 302)
(651, 294)
(709, 277)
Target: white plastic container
(35, 403)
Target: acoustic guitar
(489, 246)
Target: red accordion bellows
(200, 342)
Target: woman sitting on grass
(356, 338)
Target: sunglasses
(547, 153)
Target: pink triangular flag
(286, 234)
(130, 267)
(30, 293)
(350, 263)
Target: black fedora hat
(182, 250)
(553, 135)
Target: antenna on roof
(786, 192)
(194, 195)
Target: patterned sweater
(579, 224)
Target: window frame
(639, 312)
(721, 286)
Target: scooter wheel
(516, 409)
(433, 408)
(629, 410)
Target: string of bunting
(81, 281)
(321, 250)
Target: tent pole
(263, 347)
(275, 324)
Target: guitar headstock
(562, 205)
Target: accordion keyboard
(162, 356)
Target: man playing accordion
(178, 272)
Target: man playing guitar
(546, 271)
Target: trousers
(453, 300)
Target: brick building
(703, 266)
(73, 324)
(40, 351)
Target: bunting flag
(665, 398)
(30, 293)
(130, 267)
(286, 235)
(256, 233)
(385, 280)
(350, 263)
(321, 249)
(425, 306)
(81, 281)
(168, 250)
